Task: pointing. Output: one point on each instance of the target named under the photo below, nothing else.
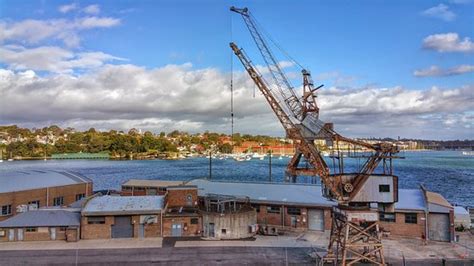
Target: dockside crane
(355, 232)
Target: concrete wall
(44, 195)
(236, 225)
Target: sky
(390, 69)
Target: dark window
(410, 218)
(162, 189)
(273, 209)
(34, 202)
(139, 189)
(256, 207)
(384, 188)
(224, 231)
(294, 211)
(80, 196)
(126, 188)
(31, 229)
(58, 201)
(387, 217)
(62, 229)
(194, 220)
(6, 210)
(96, 220)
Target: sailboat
(10, 159)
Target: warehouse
(30, 190)
(122, 217)
(40, 225)
(182, 216)
(278, 205)
(440, 217)
(141, 187)
(409, 217)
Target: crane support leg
(353, 241)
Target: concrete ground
(395, 249)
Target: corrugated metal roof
(117, 205)
(33, 179)
(151, 183)
(277, 193)
(40, 218)
(410, 199)
(297, 194)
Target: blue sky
(347, 45)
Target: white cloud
(460, 1)
(51, 58)
(440, 11)
(435, 71)
(67, 8)
(448, 42)
(92, 9)
(97, 22)
(32, 31)
(180, 97)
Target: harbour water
(448, 172)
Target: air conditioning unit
(32, 207)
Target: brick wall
(96, 231)
(178, 197)
(400, 228)
(69, 193)
(41, 234)
(188, 229)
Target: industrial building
(45, 224)
(122, 217)
(142, 187)
(29, 190)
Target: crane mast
(354, 233)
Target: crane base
(354, 240)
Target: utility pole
(210, 165)
(270, 165)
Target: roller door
(123, 227)
(438, 227)
(316, 220)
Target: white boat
(257, 155)
(10, 160)
(468, 153)
(280, 158)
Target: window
(62, 229)
(384, 188)
(80, 196)
(31, 229)
(6, 210)
(224, 231)
(96, 220)
(139, 189)
(126, 188)
(273, 209)
(256, 207)
(294, 211)
(35, 203)
(58, 201)
(410, 218)
(194, 221)
(387, 217)
(162, 189)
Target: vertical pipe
(210, 165)
(270, 165)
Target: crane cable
(285, 53)
(231, 89)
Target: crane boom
(292, 102)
